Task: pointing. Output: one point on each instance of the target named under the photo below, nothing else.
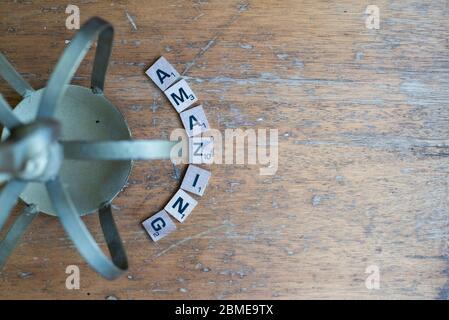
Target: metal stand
(55, 151)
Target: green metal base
(85, 116)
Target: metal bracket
(28, 144)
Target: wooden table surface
(363, 149)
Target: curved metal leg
(112, 237)
(14, 79)
(7, 117)
(104, 48)
(8, 198)
(14, 234)
(118, 150)
(71, 59)
(82, 238)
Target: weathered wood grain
(363, 172)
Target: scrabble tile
(181, 205)
(159, 225)
(201, 150)
(163, 74)
(180, 95)
(195, 180)
(194, 121)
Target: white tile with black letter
(201, 150)
(194, 121)
(181, 205)
(195, 180)
(159, 225)
(163, 74)
(181, 95)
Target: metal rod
(14, 79)
(8, 198)
(101, 62)
(7, 118)
(112, 237)
(118, 150)
(16, 231)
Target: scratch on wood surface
(131, 21)
(200, 53)
(214, 39)
(226, 224)
(411, 145)
(268, 78)
(198, 16)
(25, 274)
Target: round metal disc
(83, 115)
